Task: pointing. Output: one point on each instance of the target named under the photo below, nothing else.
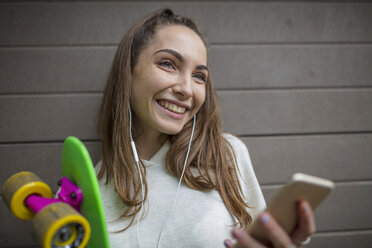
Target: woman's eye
(166, 64)
(200, 77)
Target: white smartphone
(283, 205)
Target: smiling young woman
(168, 84)
(160, 100)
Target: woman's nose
(183, 87)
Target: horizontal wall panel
(296, 111)
(361, 239)
(43, 159)
(67, 69)
(291, 66)
(48, 117)
(285, 22)
(105, 23)
(337, 157)
(54, 117)
(14, 232)
(347, 208)
(86, 69)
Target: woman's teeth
(172, 107)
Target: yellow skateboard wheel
(18, 187)
(60, 225)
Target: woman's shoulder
(102, 179)
(98, 166)
(247, 177)
(238, 147)
(236, 144)
(230, 137)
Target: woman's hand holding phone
(288, 219)
(277, 236)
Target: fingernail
(227, 243)
(264, 218)
(306, 207)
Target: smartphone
(283, 205)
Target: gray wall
(294, 78)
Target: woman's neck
(148, 144)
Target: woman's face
(168, 81)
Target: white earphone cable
(134, 150)
(142, 187)
(179, 183)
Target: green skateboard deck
(77, 166)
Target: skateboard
(75, 217)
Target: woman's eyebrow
(202, 67)
(180, 57)
(172, 52)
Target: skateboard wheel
(18, 187)
(59, 225)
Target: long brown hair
(211, 154)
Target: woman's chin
(171, 128)
(172, 131)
